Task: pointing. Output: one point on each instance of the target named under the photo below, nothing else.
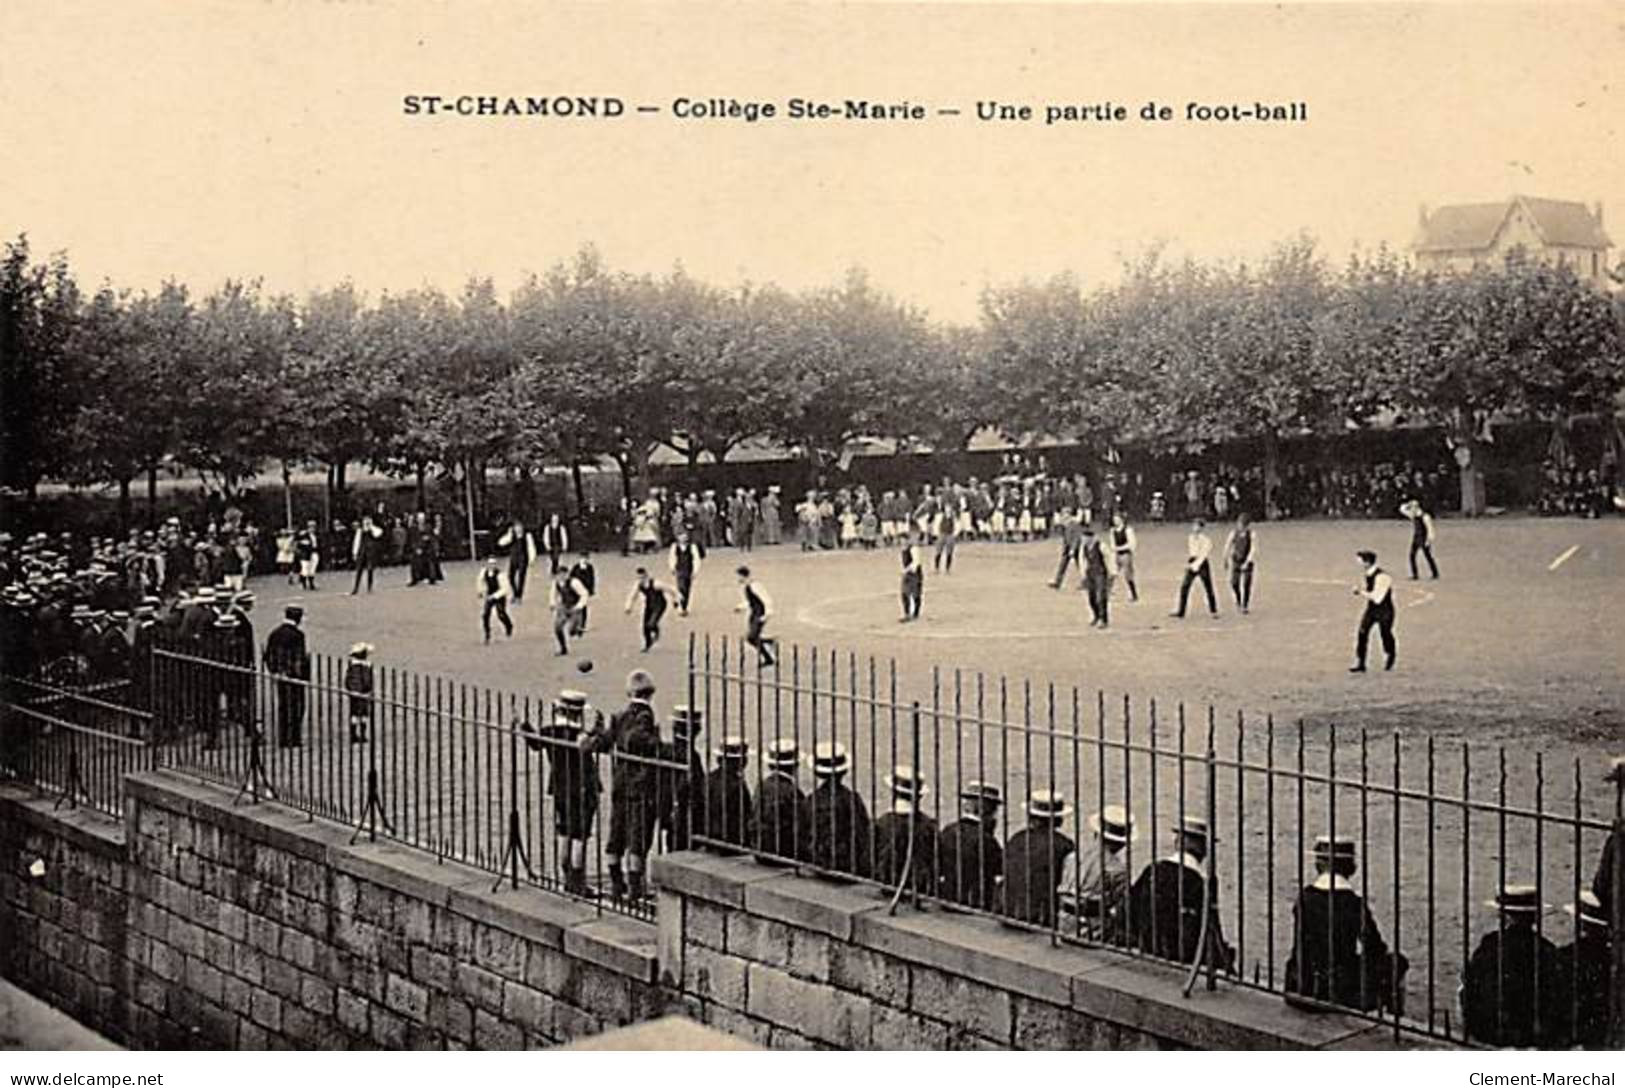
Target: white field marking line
(1564, 558)
(1425, 598)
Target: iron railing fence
(537, 792)
(1441, 839)
(495, 779)
(76, 743)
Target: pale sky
(207, 140)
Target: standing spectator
(307, 551)
(288, 659)
(633, 738)
(367, 551)
(770, 517)
(358, 682)
(572, 780)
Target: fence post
(1616, 910)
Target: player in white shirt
(1378, 590)
(1198, 551)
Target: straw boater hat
(1328, 849)
(360, 649)
(982, 793)
(908, 788)
(204, 595)
(735, 749)
(829, 759)
(687, 722)
(1616, 770)
(1591, 910)
(783, 754)
(1194, 827)
(1047, 805)
(1517, 899)
(1113, 824)
(570, 708)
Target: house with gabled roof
(1457, 237)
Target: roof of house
(1474, 226)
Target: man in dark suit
(1034, 858)
(969, 854)
(1338, 954)
(781, 808)
(1515, 991)
(839, 830)
(634, 739)
(904, 825)
(1165, 905)
(287, 657)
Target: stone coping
(1138, 994)
(82, 826)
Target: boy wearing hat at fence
(969, 856)
(839, 833)
(781, 816)
(1165, 905)
(682, 781)
(729, 816)
(572, 781)
(1589, 962)
(1515, 991)
(358, 683)
(633, 739)
(1378, 590)
(1034, 858)
(287, 657)
(1338, 954)
(904, 824)
(1095, 884)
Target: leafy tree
(39, 306)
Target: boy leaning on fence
(358, 682)
(634, 804)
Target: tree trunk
(1472, 477)
(124, 505)
(327, 501)
(581, 491)
(693, 455)
(339, 484)
(152, 496)
(1272, 473)
(287, 495)
(423, 491)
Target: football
(584, 665)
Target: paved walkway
(27, 1023)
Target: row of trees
(582, 363)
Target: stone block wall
(205, 925)
(62, 934)
(791, 962)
